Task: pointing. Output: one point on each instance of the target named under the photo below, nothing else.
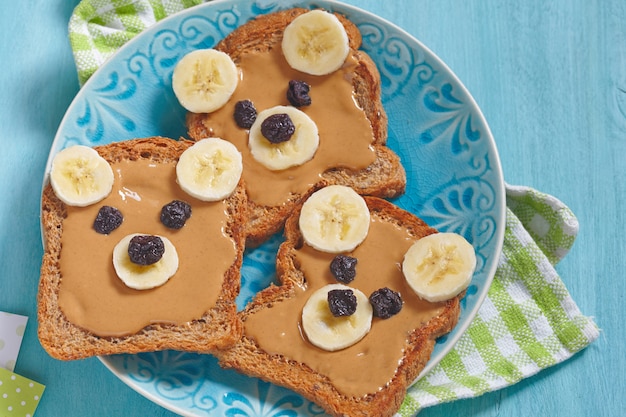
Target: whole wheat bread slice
(385, 177)
(217, 328)
(250, 358)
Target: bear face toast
(347, 375)
(86, 309)
(345, 106)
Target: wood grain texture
(550, 78)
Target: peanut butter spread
(371, 363)
(345, 132)
(94, 298)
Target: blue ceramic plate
(454, 177)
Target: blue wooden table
(550, 77)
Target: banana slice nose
(143, 277)
(332, 333)
(299, 149)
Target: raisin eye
(245, 114)
(298, 93)
(343, 268)
(385, 303)
(107, 220)
(278, 128)
(175, 213)
(341, 302)
(145, 249)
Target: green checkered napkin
(528, 321)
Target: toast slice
(214, 326)
(383, 176)
(369, 378)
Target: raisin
(341, 302)
(145, 249)
(385, 303)
(278, 128)
(107, 220)
(175, 213)
(245, 114)
(343, 268)
(298, 93)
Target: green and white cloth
(528, 321)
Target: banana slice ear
(439, 266)
(204, 80)
(315, 43)
(80, 177)
(334, 219)
(210, 169)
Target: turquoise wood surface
(550, 77)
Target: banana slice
(204, 80)
(439, 266)
(80, 176)
(331, 333)
(334, 219)
(210, 169)
(299, 149)
(143, 277)
(315, 43)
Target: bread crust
(385, 177)
(249, 358)
(218, 328)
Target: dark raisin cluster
(245, 114)
(298, 93)
(385, 303)
(343, 268)
(175, 213)
(278, 128)
(145, 249)
(342, 302)
(107, 220)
